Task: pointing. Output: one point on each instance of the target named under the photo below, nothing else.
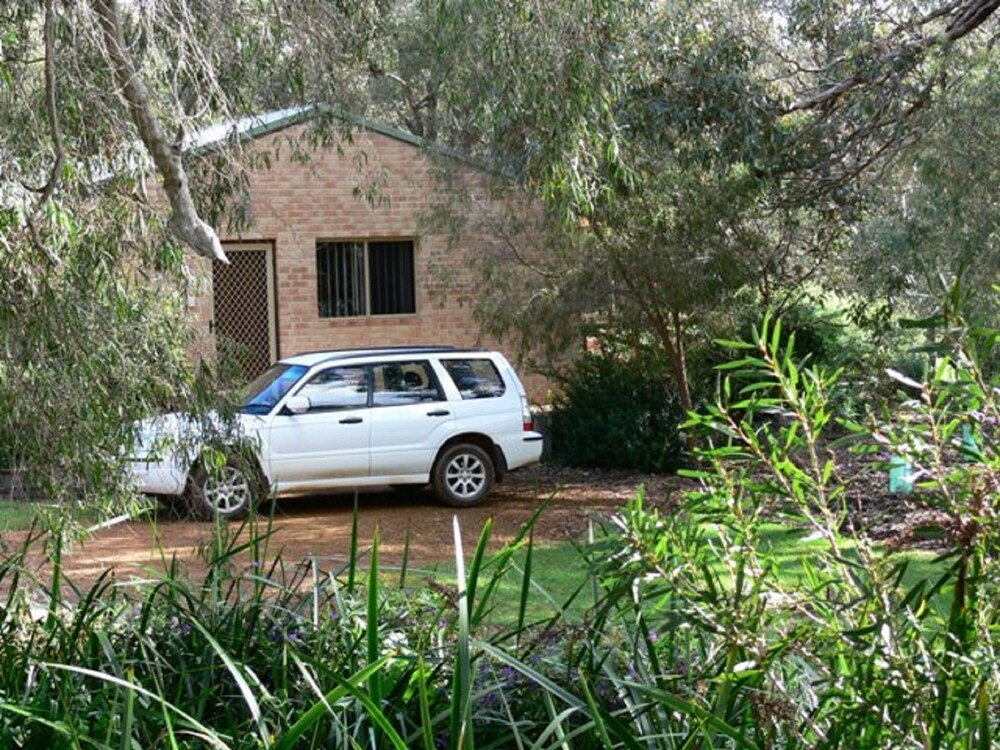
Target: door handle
(438, 413)
(351, 420)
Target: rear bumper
(523, 450)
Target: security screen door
(243, 310)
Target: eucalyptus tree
(937, 220)
(709, 151)
(96, 100)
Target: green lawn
(16, 516)
(559, 580)
(19, 515)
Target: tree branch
(966, 17)
(184, 220)
(49, 188)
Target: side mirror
(298, 404)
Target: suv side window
(337, 388)
(475, 378)
(401, 383)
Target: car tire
(228, 493)
(463, 475)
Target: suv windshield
(260, 396)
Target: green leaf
(747, 362)
(460, 735)
(475, 569)
(934, 321)
(729, 344)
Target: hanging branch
(49, 188)
(184, 220)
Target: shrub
(854, 649)
(618, 412)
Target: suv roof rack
(376, 350)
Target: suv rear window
(475, 378)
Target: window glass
(400, 383)
(269, 388)
(391, 266)
(340, 273)
(337, 388)
(475, 378)
(355, 279)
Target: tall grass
(253, 651)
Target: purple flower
(186, 628)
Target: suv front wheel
(229, 492)
(463, 475)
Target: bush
(822, 337)
(850, 645)
(617, 412)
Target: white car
(454, 418)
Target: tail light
(526, 419)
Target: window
(337, 388)
(401, 383)
(365, 278)
(270, 387)
(475, 378)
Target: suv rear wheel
(463, 475)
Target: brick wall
(298, 202)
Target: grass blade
(202, 731)
(126, 738)
(477, 564)
(372, 630)
(425, 704)
(406, 557)
(248, 697)
(461, 702)
(522, 607)
(353, 565)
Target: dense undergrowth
(697, 638)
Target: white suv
(455, 418)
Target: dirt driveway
(321, 526)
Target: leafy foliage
(618, 411)
(851, 651)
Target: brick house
(340, 250)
